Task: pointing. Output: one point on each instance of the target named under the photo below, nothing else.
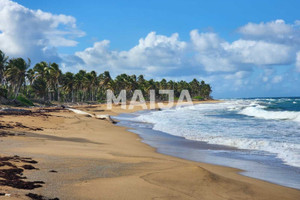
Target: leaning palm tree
(15, 73)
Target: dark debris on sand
(39, 197)
(5, 134)
(29, 167)
(6, 126)
(15, 125)
(13, 176)
(14, 111)
(20, 125)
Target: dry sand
(95, 159)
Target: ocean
(259, 135)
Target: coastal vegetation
(45, 82)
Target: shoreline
(215, 154)
(95, 158)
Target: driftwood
(102, 117)
(105, 117)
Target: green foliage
(3, 92)
(40, 86)
(101, 101)
(24, 101)
(200, 98)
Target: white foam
(276, 115)
(212, 123)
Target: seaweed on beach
(16, 125)
(23, 112)
(5, 134)
(13, 176)
(29, 167)
(51, 109)
(39, 197)
(20, 125)
(6, 126)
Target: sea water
(261, 132)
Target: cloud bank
(260, 45)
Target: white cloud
(298, 61)
(34, 33)
(275, 31)
(277, 79)
(231, 64)
(218, 55)
(153, 54)
(277, 28)
(259, 52)
(210, 53)
(237, 75)
(204, 42)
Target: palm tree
(87, 85)
(68, 85)
(30, 76)
(42, 73)
(205, 90)
(94, 85)
(55, 75)
(40, 87)
(3, 62)
(15, 73)
(47, 81)
(78, 84)
(105, 82)
(40, 69)
(195, 87)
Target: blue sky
(243, 48)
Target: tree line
(46, 82)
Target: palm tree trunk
(58, 95)
(17, 89)
(72, 96)
(17, 92)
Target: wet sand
(81, 157)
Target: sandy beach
(81, 157)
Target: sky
(243, 48)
